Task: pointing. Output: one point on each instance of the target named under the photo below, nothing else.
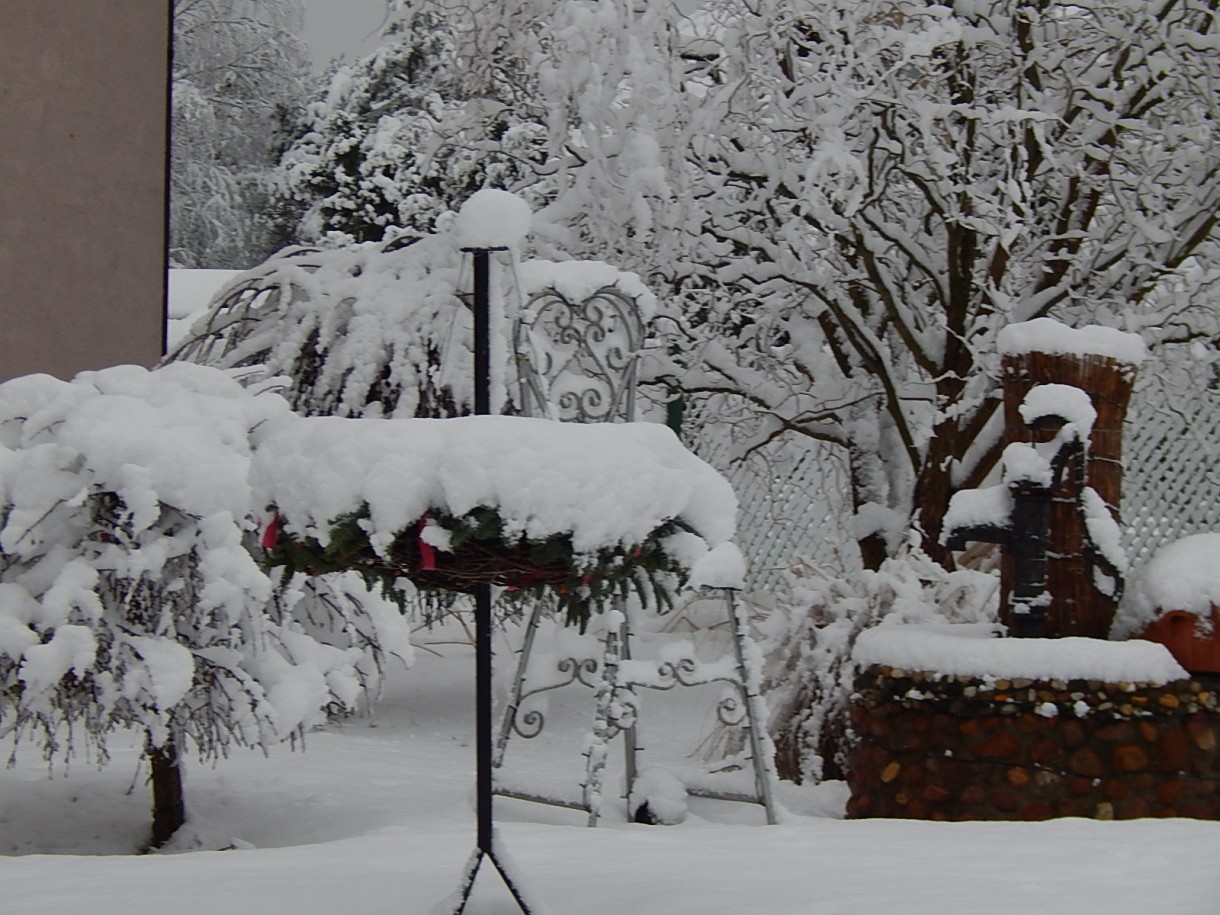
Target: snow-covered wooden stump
(1102, 362)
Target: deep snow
(373, 819)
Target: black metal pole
(484, 788)
(482, 331)
(1031, 505)
(482, 594)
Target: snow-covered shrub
(366, 330)
(810, 674)
(128, 595)
(380, 330)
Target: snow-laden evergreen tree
(129, 595)
(374, 329)
(402, 137)
(239, 72)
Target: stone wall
(938, 747)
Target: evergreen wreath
(478, 551)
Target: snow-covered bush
(128, 595)
(821, 612)
(364, 330)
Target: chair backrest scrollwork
(577, 361)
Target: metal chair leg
(756, 712)
(509, 720)
(604, 726)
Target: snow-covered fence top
(607, 485)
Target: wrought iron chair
(577, 362)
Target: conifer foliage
(399, 139)
(129, 596)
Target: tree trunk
(933, 489)
(169, 807)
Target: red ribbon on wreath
(271, 532)
(427, 552)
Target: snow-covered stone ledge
(968, 651)
(949, 725)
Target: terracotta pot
(1179, 631)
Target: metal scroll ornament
(577, 360)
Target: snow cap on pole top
(493, 219)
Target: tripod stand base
(456, 903)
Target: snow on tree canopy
(493, 219)
(606, 485)
(1046, 335)
(966, 652)
(1184, 575)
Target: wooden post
(1077, 607)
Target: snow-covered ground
(372, 819)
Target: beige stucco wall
(83, 88)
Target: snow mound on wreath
(581, 508)
(605, 484)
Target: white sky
(347, 28)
